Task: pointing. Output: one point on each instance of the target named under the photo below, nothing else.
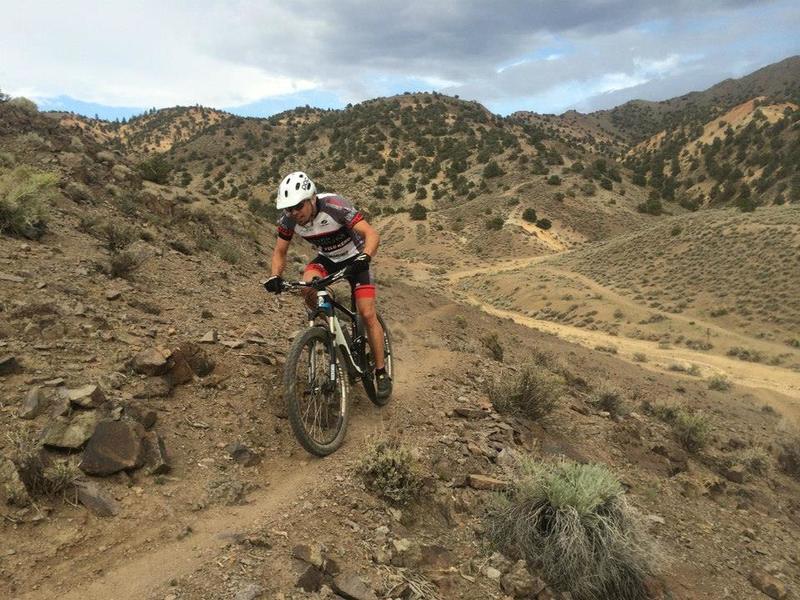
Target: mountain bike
(323, 360)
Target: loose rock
(153, 361)
(88, 396)
(351, 587)
(484, 482)
(70, 433)
(519, 583)
(12, 490)
(155, 453)
(250, 591)
(9, 365)
(242, 454)
(91, 497)
(766, 583)
(114, 446)
(310, 580)
(33, 405)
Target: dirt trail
(133, 571)
(498, 267)
(753, 375)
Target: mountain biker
(343, 239)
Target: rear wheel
(318, 407)
(369, 376)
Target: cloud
(510, 55)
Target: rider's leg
(312, 270)
(365, 304)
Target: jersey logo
(323, 222)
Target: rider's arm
(370, 235)
(279, 256)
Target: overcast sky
(260, 57)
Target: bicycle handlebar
(317, 284)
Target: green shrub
(529, 215)
(608, 349)
(389, 470)
(492, 169)
(494, 224)
(492, 343)
(7, 160)
(574, 521)
(532, 393)
(418, 212)
(756, 460)
(747, 354)
(117, 236)
(122, 264)
(79, 192)
(24, 192)
(227, 252)
(692, 429)
(719, 383)
(155, 169)
(610, 399)
(652, 206)
(544, 224)
(554, 180)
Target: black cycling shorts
(362, 285)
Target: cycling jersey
(330, 231)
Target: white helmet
(295, 188)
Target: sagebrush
(574, 521)
(390, 470)
(24, 195)
(533, 392)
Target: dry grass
(532, 393)
(609, 398)
(24, 195)
(719, 383)
(574, 521)
(390, 470)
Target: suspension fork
(324, 305)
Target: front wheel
(317, 405)
(368, 378)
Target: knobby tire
(299, 411)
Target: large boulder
(114, 446)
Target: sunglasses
(296, 207)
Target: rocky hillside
(146, 449)
(748, 157)
(152, 132)
(639, 119)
